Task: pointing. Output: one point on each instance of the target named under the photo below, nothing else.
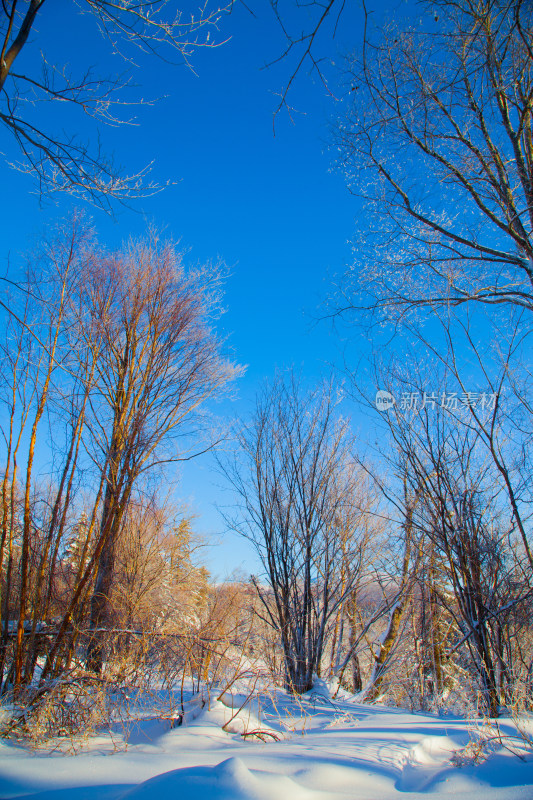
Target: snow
(318, 749)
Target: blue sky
(269, 206)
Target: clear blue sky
(268, 206)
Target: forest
(386, 502)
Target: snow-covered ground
(317, 749)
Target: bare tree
(159, 360)
(437, 139)
(118, 353)
(295, 479)
(460, 519)
(62, 162)
(36, 356)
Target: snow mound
(425, 761)
(229, 780)
(433, 751)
